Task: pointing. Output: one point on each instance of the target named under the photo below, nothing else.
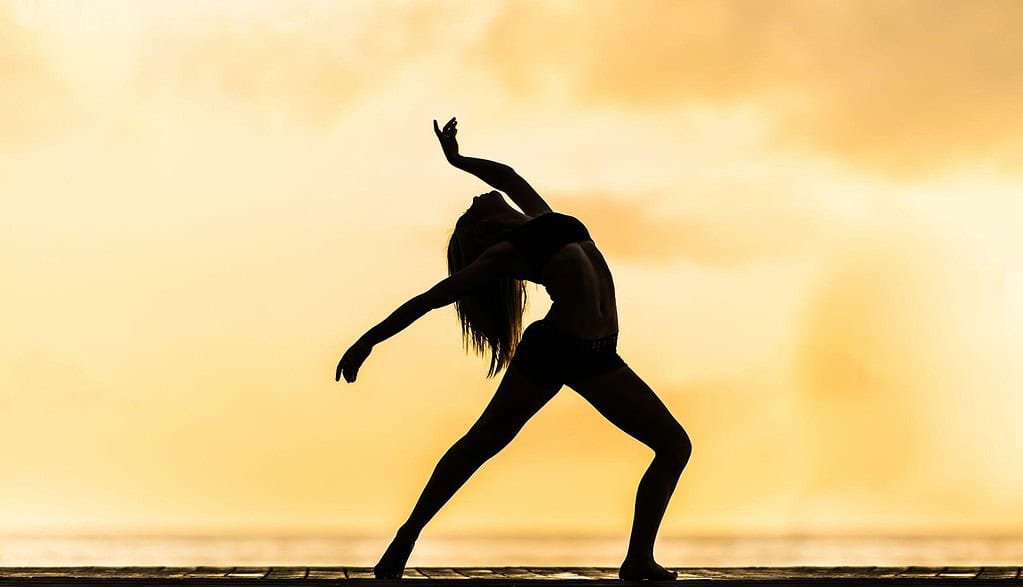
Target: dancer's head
(489, 213)
(491, 317)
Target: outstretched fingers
(449, 127)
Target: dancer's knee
(676, 448)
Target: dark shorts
(548, 356)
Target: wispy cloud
(902, 88)
(307, 66)
(731, 229)
(35, 99)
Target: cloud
(307, 66)
(42, 380)
(256, 65)
(725, 230)
(899, 88)
(35, 99)
(892, 325)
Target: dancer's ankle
(638, 559)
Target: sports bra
(541, 236)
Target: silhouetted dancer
(492, 250)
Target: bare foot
(645, 571)
(392, 563)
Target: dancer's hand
(352, 360)
(447, 137)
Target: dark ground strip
(506, 576)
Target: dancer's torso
(558, 254)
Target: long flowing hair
(491, 315)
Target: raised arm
(498, 175)
(493, 263)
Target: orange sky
(812, 211)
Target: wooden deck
(506, 576)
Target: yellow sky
(812, 211)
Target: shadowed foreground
(505, 576)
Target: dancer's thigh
(516, 400)
(631, 405)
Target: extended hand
(447, 137)
(352, 360)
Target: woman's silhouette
(493, 248)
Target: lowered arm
(397, 321)
(490, 265)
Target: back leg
(516, 400)
(629, 403)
